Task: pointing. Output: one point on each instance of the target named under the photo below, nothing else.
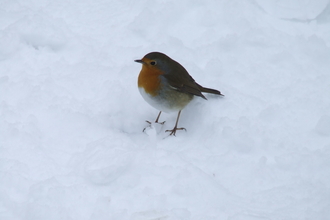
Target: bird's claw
(173, 131)
(150, 124)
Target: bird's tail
(208, 90)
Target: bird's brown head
(154, 64)
(156, 61)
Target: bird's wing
(182, 82)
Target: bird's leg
(157, 119)
(173, 131)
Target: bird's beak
(139, 61)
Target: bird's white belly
(169, 104)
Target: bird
(167, 86)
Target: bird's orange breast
(149, 79)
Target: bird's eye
(153, 63)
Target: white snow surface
(72, 145)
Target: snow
(72, 145)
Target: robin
(167, 86)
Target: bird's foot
(173, 131)
(156, 122)
(150, 124)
